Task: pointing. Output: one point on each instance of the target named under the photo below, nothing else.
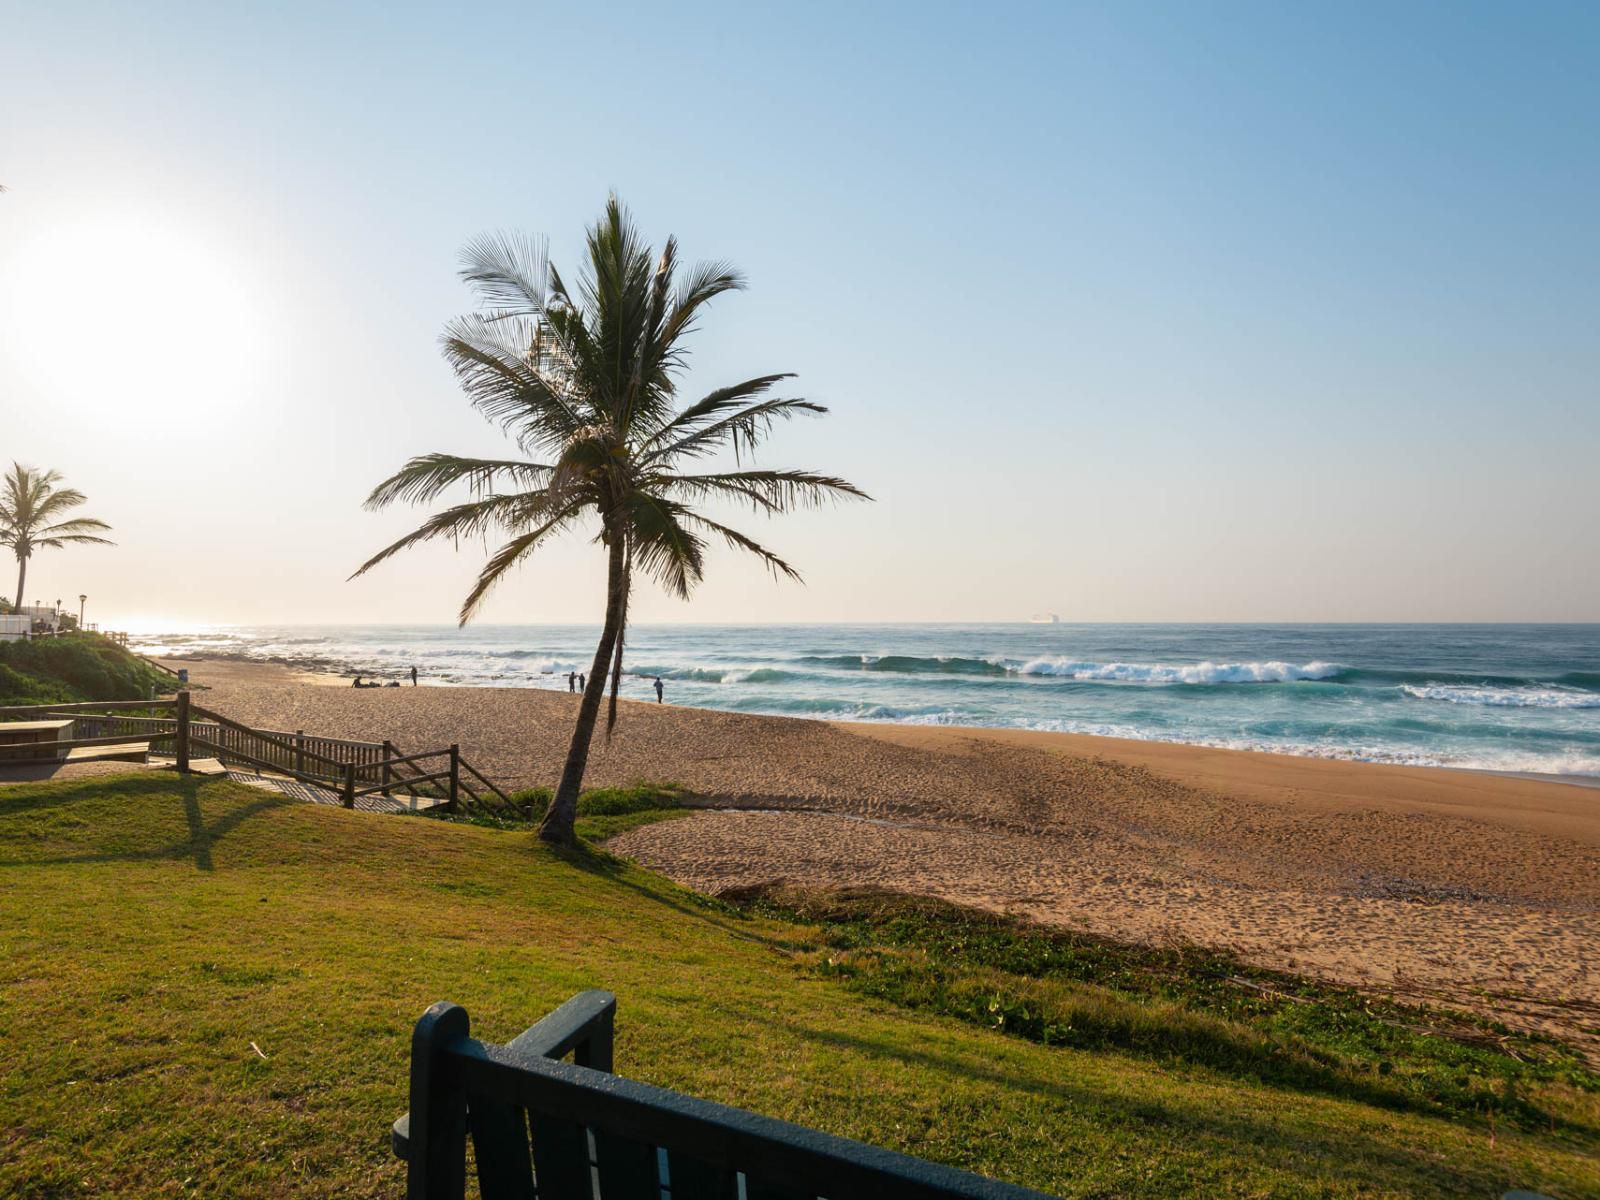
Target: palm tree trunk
(22, 578)
(557, 825)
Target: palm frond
(427, 476)
(739, 541)
(470, 520)
(742, 431)
(509, 271)
(666, 551)
(768, 491)
(56, 542)
(505, 386)
(507, 557)
(712, 406)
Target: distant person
(580, 683)
(413, 677)
(659, 689)
(396, 682)
(572, 681)
(357, 683)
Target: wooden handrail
(83, 707)
(411, 758)
(479, 776)
(269, 739)
(320, 781)
(435, 777)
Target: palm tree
(30, 510)
(586, 380)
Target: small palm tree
(30, 510)
(587, 379)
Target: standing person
(413, 677)
(659, 689)
(580, 683)
(572, 681)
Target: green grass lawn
(156, 933)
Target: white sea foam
(1504, 697)
(1206, 672)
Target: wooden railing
(352, 768)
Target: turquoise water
(1496, 697)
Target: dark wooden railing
(576, 1122)
(352, 768)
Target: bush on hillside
(57, 670)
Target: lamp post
(82, 600)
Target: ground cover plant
(1186, 1004)
(208, 990)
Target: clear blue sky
(1125, 311)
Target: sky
(1125, 311)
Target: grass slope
(82, 667)
(152, 929)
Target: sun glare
(112, 310)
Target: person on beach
(572, 681)
(357, 683)
(659, 689)
(580, 683)
(413, 677)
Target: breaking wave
(1531, 696)
(1196, 673)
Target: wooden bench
(543, 1129)
(34, 741)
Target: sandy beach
(1465, 887)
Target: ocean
(1522, 698)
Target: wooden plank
(500, 1146)
(560, 1158)
(129, 751)
(627, 1168)
(692, 1179)
(437, 1162)
(767, 1189)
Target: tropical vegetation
(33, 516)
(587, 377)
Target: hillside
(81, 667)
(209, 990)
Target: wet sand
(1467, 887)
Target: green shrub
(56, 670)
(641, 797)
(536, 800)
(606, 802)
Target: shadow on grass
(47, 794)
(593, 860)
(1353, 1155)
(202, 836)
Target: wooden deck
(296, 789)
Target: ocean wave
(907, 664)
(1527, 696)
(715, 674)
(1196, 673)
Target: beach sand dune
(1458, 886)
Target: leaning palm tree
(31, 508)
(586, 380)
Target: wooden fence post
(350, 785)
(300, 750)
(181, 739)
(455, 775)
(388, 771)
